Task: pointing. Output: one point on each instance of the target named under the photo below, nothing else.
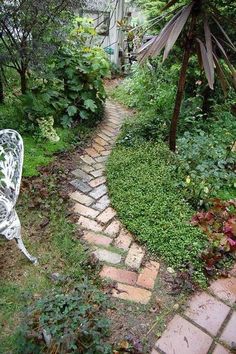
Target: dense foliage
(73, 322)
(142, 189)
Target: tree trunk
(206, 104)
(1, 87)
(23, 82)
(181, 85)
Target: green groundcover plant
(142, 188)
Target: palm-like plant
(195, 18)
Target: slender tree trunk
(181, 85)
(206, 104)
(1, 87)
(23, 82)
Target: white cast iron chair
(11, 164)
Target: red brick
(113, 229)
(97, 181)
(89, 224)
(120, 275)
(219, 349)
(82, 198)
(92, 152)
(148, 275)
(181, 337)
(124, 240)
(97, 239)
(207, 312)
(229, 333)
(225, 289)
(106, 216)
(135, 256)
(131, 293)
(85, 211)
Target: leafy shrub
(142, 189)
(71, 87)
(72, 322)
(207, 160)
(219, 224)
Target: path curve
(208, 326)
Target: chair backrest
(11, 163)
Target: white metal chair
(11, 164)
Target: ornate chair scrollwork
(11, 164)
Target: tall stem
(181, 85)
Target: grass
(142, 189)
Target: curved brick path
(208, 326)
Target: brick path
(208, 326)
(122, 258)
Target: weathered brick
(106, 216)
(120, 275)
(181, 337)
(135, 256)
(107, 256)
(82, 198)
(132, 293)
(89, 224)
(98, 173)
(97, 181)
(100, 141)
(113, 229)
(85, 167)
(98, 148)
(92, 152)
(102, 203)
(85, 177)
(207, 312)
(148, 275)
(87, 159)
(124, 240)
(99, 166)
(229, 333)
(98, 192)
(106, 152)
(104, 137)
(85, 211)
(101, 159)
(81, 186)
(108, 133)
(97, 239)
(225, 289)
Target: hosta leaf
(177, 28)
(206, 64)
